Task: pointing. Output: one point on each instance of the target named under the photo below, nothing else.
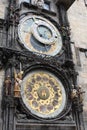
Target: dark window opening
(86, 54)
(84, 51)
(78, 56)
(47, 6)
(25, 1)
(85, 2)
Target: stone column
(3, 5)
(1, 86)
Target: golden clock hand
(34, 19)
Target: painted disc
(43, 94)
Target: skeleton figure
(77, 93)
(39, 3)
(74, 94)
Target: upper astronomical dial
(39, 35)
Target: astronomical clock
(40, 90)
(39, 35)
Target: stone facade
(77, 15)
(3, 5)
(1, 85)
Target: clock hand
(34, 19)
(46, 48)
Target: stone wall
(77, 15)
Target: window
(84, 50)
(78, 56)
(47, 6)
(26, 1)
(85, 2)
(86, 54)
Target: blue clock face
(39, 35)
(44, 32)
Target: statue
(80, 94)
(8, 86)
(39, 3)
(18, 81)
(77, 94)
(74, 94)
